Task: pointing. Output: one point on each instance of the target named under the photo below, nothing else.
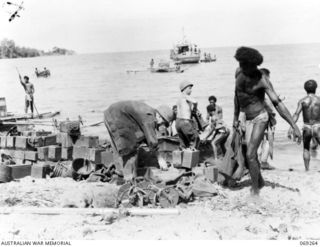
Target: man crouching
(132, 124)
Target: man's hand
(235, 124)
(297, 134)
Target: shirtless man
(250, 89)
(186, 107)
(310, 107)
(29, 89)
(217, 130)
(218, 109)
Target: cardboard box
(66, 140)
(40, 170)
(80, 152)
(66, 153)
(95, 155)
(87, 141)
(50, 140)
(211, 173)
(22, 128)
(35, 142)
(107, 158)
(59, 139)
(11, 141)
(21, 142)
(18, 154)
(19, 171)
(31, 155)
(3, 141)
(54, 153)
(43, 153)
(177, 158)
(190, 158)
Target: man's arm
(297, 112)
(280, 107)
(22, 83)
(212, 129)
(148, 126)
(236, 109)
(220, 113)
(193, 101)
(295, 118)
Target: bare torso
(250, 94)
(311, 109)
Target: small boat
(185, 52)
(208, 59)
(14, 119)
(164, 67)
(45, 73)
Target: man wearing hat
(132, 124)
(186, 107)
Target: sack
(202, 187)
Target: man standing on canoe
(250, 89)
(310, 108)
(29, 89)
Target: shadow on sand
(247, 183)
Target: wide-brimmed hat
(184, 85)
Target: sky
(92, 26)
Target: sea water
(86, 84)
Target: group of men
(132, 123)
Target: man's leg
(180, 130)
(26, 106)
(252, 156)
(31, 107)
(307, 136)
(220, 140)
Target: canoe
(9, 121)
(15, 117)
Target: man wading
(186, 108)
(251, 86)
(310, 107)
(29, 89)
(132, 124)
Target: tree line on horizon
(8, 49)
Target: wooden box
(190, 158)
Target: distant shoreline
(9, 50)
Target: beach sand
(288, 208)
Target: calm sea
(87, 84)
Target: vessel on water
(45, 73)
(185, 52)
(164, 67)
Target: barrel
(3, 107)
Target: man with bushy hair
(250, 89)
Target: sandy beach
(288, 208)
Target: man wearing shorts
(310, 108)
